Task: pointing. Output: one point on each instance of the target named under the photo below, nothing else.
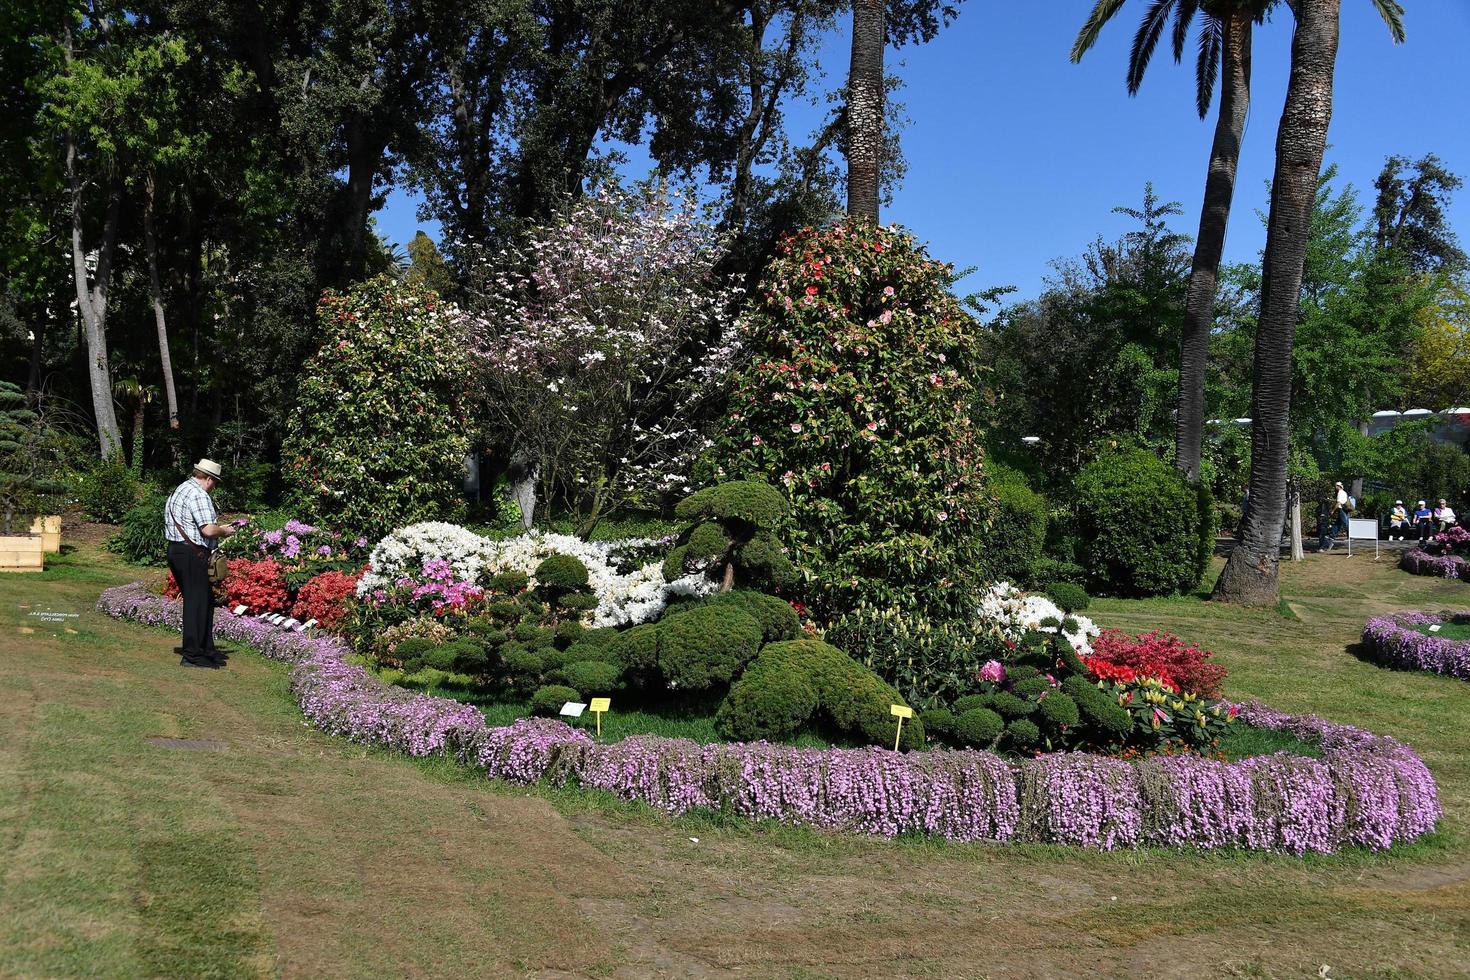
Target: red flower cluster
(257, 585)
(1158, 654)
(324, 598)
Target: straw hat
(209, 468)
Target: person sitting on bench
(1398, 521)
(1444, 516)
(1423, 521)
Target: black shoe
(205, 664)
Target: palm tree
(865, 109)
(1250, 574)
(1224, 37)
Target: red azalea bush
(260, 586)
(1118, 656)
(324, 598)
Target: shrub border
(1417, 561)
(1392, 640)
(1366, 790)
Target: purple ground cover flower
(1367, 790)
(1417, 562)
(1393, 640)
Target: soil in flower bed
(1446, 631)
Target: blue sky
(1016, 156)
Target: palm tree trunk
(1250, 574)
(865, 109)
(155, 293)
(1199, 304)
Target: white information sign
(573, 709)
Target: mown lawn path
(290, 853)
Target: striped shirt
(189, 508)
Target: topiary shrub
(733, 536)
(637, 648)
(377, 439)
(558, 575)
(778, 621)
(593, 677)
(857, 400)
(706, 646)
(549, 698)
(1070, 598)
(793, 682)
(978, 728)
(938, 721)
(1139, 525)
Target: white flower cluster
(1014, 612)
(623, 599)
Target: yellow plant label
(599, 704)
(901, 711)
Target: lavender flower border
(1366, 790)
(1393, 640)
(1416, 561)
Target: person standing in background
(191, 526)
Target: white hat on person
(209, 468)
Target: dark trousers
(192, 573)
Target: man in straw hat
(190, 523)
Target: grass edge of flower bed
(1392, 640)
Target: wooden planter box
(49, 528)
(21, 553)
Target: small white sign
(1434, 628)
(291, 623)
(239, 610)
(573, 709)
(276, 618)
(308, 624)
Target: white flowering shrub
(604, 343)
(1013, 612)
(623, 598)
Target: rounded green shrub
(1071, 598)
(970, 702)
(1023, 733)
(578, 601)
(706, 541)
(510, 583)
(377, 438)
(856, 397)
(521, 662)
(978, 728)
(549, 698)
(938, 721)
(1030, 687)
(1007, 705)
(602, 636)
(756, 503)
(140, 539)
(1107, 716)
(586, 651)
(852, 698)
(568, 633)
(1058, 709)
(637, 648)
(411, 651)
(706, 646)
(777, 619)
(593, 677)
(560, 574)
(551, 657)
(1139, 525)
(108, 489)
(764, 705)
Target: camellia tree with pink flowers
(857, 398)
(603, 343)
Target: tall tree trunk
(1199, 304)
(1250, 574)
(155, 293)
(865, 109)
(92, 303)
